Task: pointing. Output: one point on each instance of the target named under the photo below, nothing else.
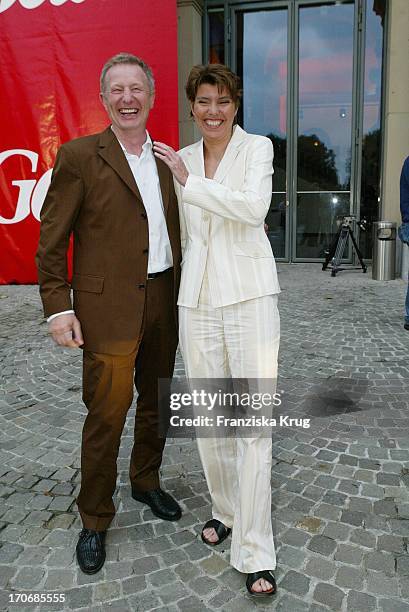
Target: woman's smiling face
(214, 112)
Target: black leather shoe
(161, 503)
(91, 550)
(406, 326)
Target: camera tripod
(337, 248)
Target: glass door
(261, 60)
(323, 146)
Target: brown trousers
(108, 392)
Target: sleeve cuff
(57, 314)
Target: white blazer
(222, 223)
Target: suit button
(204, 242)
(145, 251)
(144, 216)
(141, 286)
(206, 217)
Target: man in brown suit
(117, 200)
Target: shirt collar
(146, 147)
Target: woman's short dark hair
(213, 74)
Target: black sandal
(221, 530)
(267, 575)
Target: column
(190, 14)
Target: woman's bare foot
(261, 586)
(261, 583)
(214, 532)
(210, 535)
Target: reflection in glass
(317, 215)
(261, 62)
(216, 37)
(371, 144)
(325, 96)
(324, 143)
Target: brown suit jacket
(93, 195)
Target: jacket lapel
(230, 154)
(194, 159)
(111, 152)
(164, 175)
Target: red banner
(51, 55)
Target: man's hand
(66, 331)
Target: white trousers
(238, 341)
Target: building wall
(190, 13)
(396, 127)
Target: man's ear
(152, 101)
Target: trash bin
(384, 250)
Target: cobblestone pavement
(340, 488)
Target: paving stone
(388, 479)
(288, 603)
(349, 578)
(349, 554)
(360, 602)
(172, 556)
(6, 574)
(329, 595)
(80, 597)
(402, 566)
(391, 543)
(328, 512)
(59, 579)
(105, 591)
(9, 552)
(290, 556)
(133, 584)
(295, 583)
(379, 584)
(363, 538)
(186, 571)
(162, 577)
(173, 592)
(118, 569)
(322, 545)
(191, 604)
(219, 600)
(381, 562)
(145, 565)
(158, 544)
(320, 568)
(295, 537)
(393, 605)
(352, 518)
(213, 565)
(196, 551)
(337, 531)
(28, 578)
(61, 557)
(203, 585)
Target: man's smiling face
(127, 97)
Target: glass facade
(312, 76)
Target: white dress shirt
(146, 176)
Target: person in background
(118, 202)
(228, 316)
(404, 228)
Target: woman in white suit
(229, 322)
